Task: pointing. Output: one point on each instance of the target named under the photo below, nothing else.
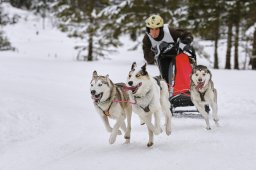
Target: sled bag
(182, 74)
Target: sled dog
(105, 95)
(203, 93)
(151, 98)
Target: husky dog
(106, 96)
(151, 98)
(203, 93)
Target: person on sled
(162, 44)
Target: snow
(48, 122)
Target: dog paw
(150, 144)
(217, 123)
(112, 138)
(127, 141)
(208, 128)
(126, 137)
(168, 132)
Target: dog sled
(179, 71)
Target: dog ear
(209, 73)
(133, 66)
(108, 81)
(143, 68)
(94, 74)
(193, 70)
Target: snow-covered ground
(48, 122)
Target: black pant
(165, 66)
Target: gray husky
(203, 93)
(107, 98)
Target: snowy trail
(70, 134)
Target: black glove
(168, 47)
(189, 50)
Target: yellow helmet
(154, 21)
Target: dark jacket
(185, 37)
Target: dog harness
(116, 94)
(157, 78)
(146, 109)
(202, 95)
(106, 112)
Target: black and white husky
(151, 98)
(203, 93)
(105, 95)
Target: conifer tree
(4, 42)
(79, 18)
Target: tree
(250, 21)
(253, 60)
(237, 13)
(229, 19)
(42, 8)
(205, 19)
(229, 46)
(4, 42)
(79, 18)
(130, 15)
(21, 3)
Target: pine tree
(229, 46)
(79, 18)
(42, 7)
(129, 16)
(253, 60)
(4, 42)
(205, 19)
(237, 19)
(250, 20)
(21, 3)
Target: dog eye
(130, 76)
(196, 74)
(91, 85)
(137, 75)
(204, 74)
(99, 84)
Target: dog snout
(130, 83)
(200, 79)
(93, 92)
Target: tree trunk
(90, 32)
(229, 45)
(216, 58)
(216, 36)
(237, 20)
(236, 63)
(90, 48)
(253, 59)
